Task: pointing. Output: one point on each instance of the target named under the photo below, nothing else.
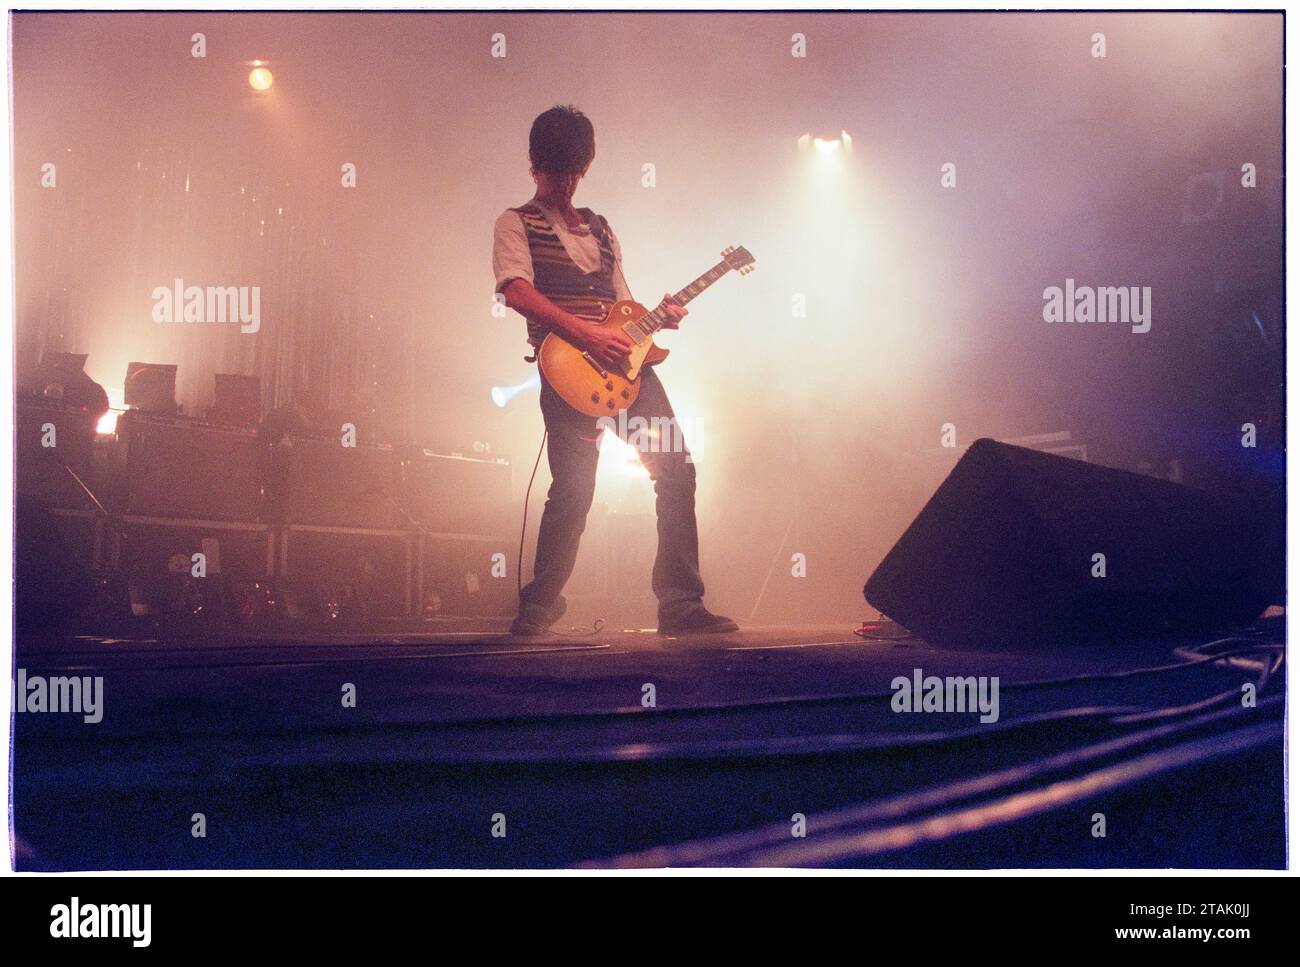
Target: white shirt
(511, 258)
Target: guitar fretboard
(654, 320)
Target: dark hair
(562, 141)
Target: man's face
(560, 184)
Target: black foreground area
(458, 732)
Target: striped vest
(587, 295)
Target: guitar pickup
(591, 361)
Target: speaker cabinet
(356, 574)
(466, 577)
(51, 582)
(450, 495)
(1018, 546)
(175, 467)
(48, 437)
(322, 483)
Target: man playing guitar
(560, 267)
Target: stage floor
(625, 748)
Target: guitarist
(560, 267)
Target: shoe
(699, 622)
(535, 621)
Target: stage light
(622, 456)
(108, 422)
(501, 395)
(260, 78)
(827, 146)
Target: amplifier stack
(196, 516)
(461, 510)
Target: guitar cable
(523, 528)
(598, 624)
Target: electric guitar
(586, 384)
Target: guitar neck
(654, 320)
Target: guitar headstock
(738, 259)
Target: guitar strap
(618, 264)
(601, 229)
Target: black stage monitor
(1021, 547)
(150, 387)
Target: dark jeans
(571, 451)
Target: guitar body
(586, 384)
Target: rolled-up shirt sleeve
(511, 258)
